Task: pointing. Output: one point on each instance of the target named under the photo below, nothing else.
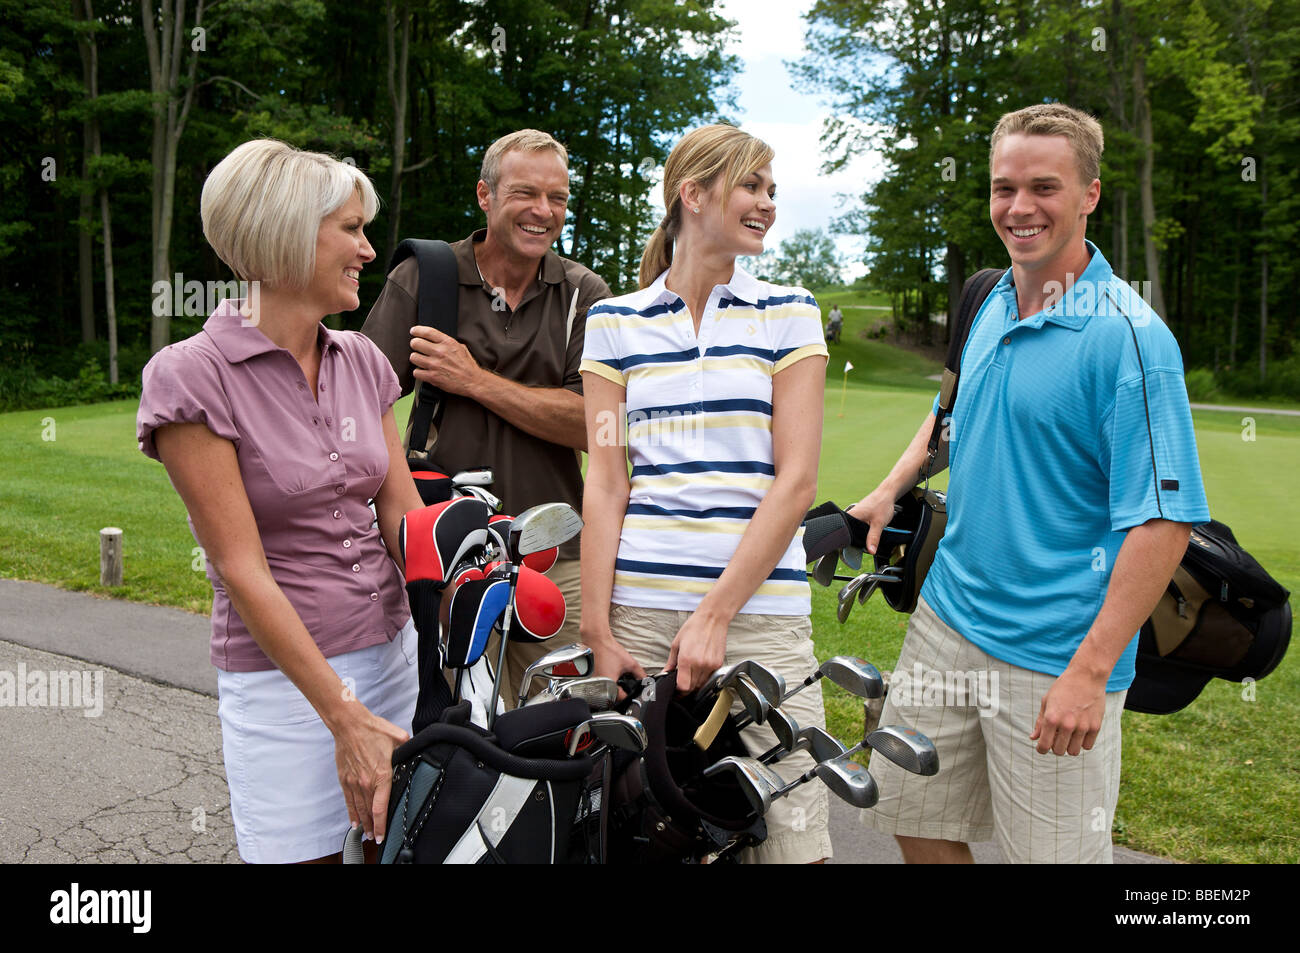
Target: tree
(808, 258)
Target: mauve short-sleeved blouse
(309, 466)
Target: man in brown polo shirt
(513, 393)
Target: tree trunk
(397, 97)
(165, 47)
(106, 219)
(85, 207)
(1146, 163)
(1263, 276)
(1236, 295)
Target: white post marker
(844, 390)
(110, 556)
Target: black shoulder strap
(438, 304)
(973, 295)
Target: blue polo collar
(1081, 300)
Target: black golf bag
(661, 810)
(465, 795)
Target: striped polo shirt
(697, 423)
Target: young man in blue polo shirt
(1074, 482)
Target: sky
(768, 33)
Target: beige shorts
(797, 823)
(992, 782)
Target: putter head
(820, 744)
(849, 781)
(906, 747)
(756, 780)
(757, 705)
(577, 656)
(542, 527)
(479, 476)
(856, 676)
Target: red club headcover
(539, 607)
(434, 539)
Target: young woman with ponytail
(709, 382)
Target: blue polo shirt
(1070, 427)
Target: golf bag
(464, 795)
(660, 809)
(1222, 616)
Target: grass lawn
(1217, 782)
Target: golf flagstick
(844, 389)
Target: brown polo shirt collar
(552, 270)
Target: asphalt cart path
(113, 748)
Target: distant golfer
(693, 561)
(277, 432)
(834, 324)
(1074, 481)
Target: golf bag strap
(973, 295)
(438, 304)
(484, 748)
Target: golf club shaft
(505, 640)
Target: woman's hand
(363, 752)
(612, 660)
(698, 650)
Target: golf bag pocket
(460, 797)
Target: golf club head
(756, 780)
(866, 592)
(599, 693)
(542, 527)
(478, 476)
(820, 744)
(856, 676)
(493, 502)
(849, 781)
(824, 570)
(577, 656)
(852, 557)
(619, 731)
(757, 705)
(872, 709)
(785, 728)
(906, 747)
(770, 683)
(845, 603)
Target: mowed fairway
(1216, 782)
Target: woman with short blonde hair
(277, 433)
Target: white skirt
(285, 797)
